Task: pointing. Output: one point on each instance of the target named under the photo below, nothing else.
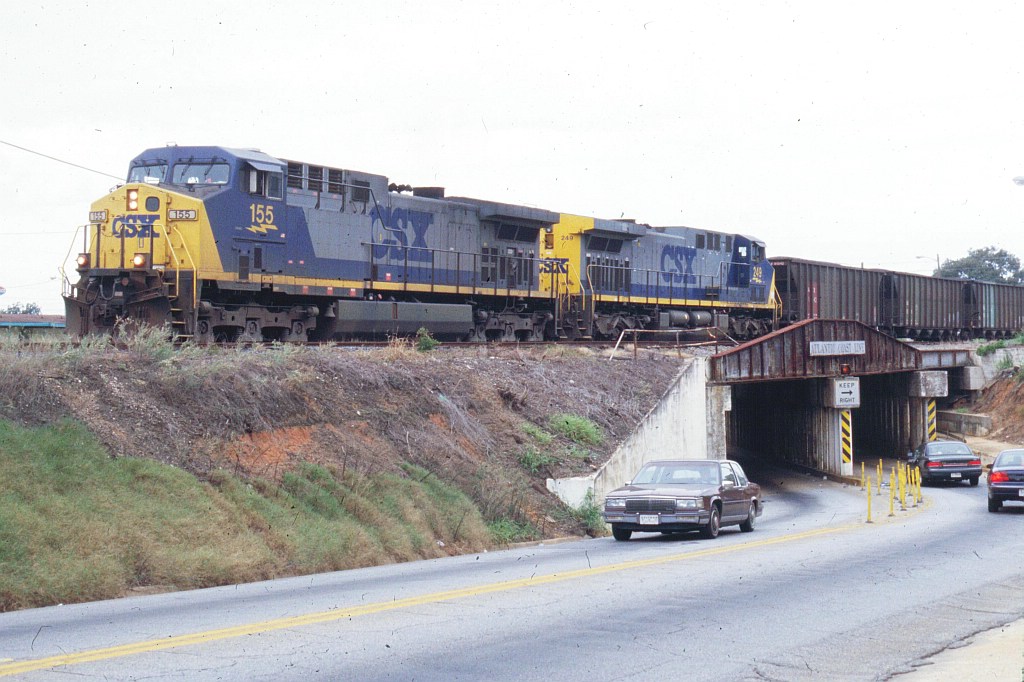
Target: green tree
(987, 264)
(19, 309)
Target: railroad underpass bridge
(825, 394)
(821, 394)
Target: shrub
(537, 433)
(588, 514)
(577, 429)
(534, 460)
(424, 341)
(989, 348)
(1005, 362)
(507, 531)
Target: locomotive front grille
(644, 506)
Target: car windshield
(678, 473)
(948, 449)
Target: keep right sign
(844, 392)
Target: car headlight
(686, 503)
(615, 503)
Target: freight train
(226, 244)
(899, 303)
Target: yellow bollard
(917, 475)
(869, 501)
(892, 492)
(862, 475)
(902, 483)
(879, 476)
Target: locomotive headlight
(140, 260)
(133, 200)
(82, 261)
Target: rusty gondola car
(899, 303)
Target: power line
(54, 158)
(32, 234)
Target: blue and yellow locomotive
(230, 244)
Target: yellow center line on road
(30, 665)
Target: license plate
(954, 475)
(649, 519)
(1020, 492)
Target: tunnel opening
(786, 422)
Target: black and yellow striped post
(932, 435)
(846, 441)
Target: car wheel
(621, 534)
(994, 505)
(974, 480)
(710, 531)
(748, 525)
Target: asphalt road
(814, 593)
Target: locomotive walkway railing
(515, 275)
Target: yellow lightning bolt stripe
(261, 228)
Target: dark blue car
(1006, 479)
(946, 460)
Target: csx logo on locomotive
(129, 226)
(554, 266)
(400, 222)
(677, 264)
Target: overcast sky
(882, 134)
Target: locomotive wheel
(297, 333)
(204, 333)
(251, 333)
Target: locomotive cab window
(200, 174)
(266, 180)
(510, 232)
(149, 173)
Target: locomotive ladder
(574, 311)
(182, 294)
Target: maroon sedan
(675, 496)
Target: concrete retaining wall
(989, 363)
(687, 423)
(962, 422)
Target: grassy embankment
(77, 525)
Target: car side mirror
(728, 484)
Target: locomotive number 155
(262, 214)
(262, 218)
